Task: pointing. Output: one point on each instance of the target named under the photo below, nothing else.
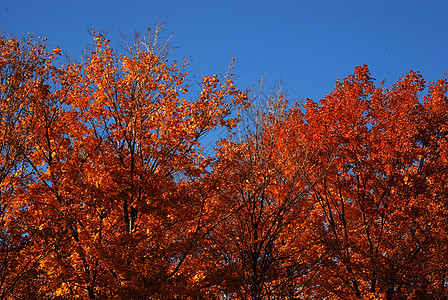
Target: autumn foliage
(107, 191)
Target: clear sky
(306, 44)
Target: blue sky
(306, 44)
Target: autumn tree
(114, 152)
(261, 249)
(380, 206)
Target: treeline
(107, 193)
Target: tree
(262, 247)
(380, 205)
(114, 152)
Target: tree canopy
(107, 192)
